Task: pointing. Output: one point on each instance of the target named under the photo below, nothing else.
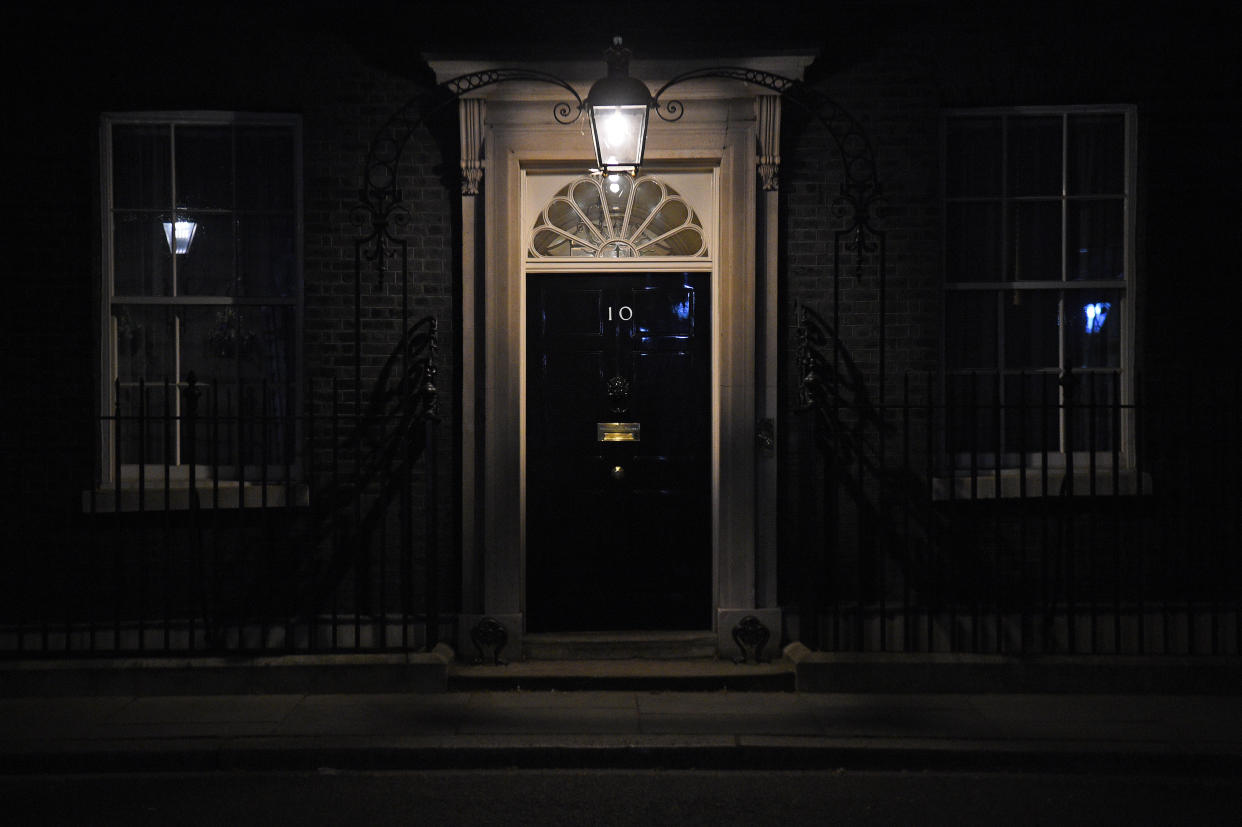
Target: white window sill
(984, 484)
(226, 494)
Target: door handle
(618, 473)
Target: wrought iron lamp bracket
(563, 111)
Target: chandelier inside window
(617, 216)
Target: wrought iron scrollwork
(563, 111)
(751, 636)
(429, 391)
(566, 114)
(829, 382)
(670, 110)
(489, 633)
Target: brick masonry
(894, 77)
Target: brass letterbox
(618, 431)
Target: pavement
(503, 728)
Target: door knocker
(618, 391)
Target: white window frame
(1011, 465)
(154, 474)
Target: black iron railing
(1078, 517)
(248, 528)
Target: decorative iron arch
(381, 208)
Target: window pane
(548, 243)
(586, 195)
(672, 213)
(235, 344)
(971, 417)
(1091, 423)
(244, 358)
(141, 167)
(973, 242)
(141, 260)
(146, 382)
(1032, 414)
(1031, 329)
(687, 241)
(1096, 154)
(617, 198)
(211, 345)
(213, 342)
(1035, 239)
(147, 426)
(973, 156)
(204, 166)
(207, 269)
(272, 358)
(267, 383)
(971, 331)
(1093, 247)
(265, 168)
(647, 195)
(1093, 328)
(266, 255)
(145, 342)
(1035, 156)
(563, 216)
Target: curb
(653, 752)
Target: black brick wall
(893, 66)
(344, 98)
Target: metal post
(192, 394)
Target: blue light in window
(179, 233)
(682, 309)
(1094, 315)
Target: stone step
(660, 645)
(636, 674)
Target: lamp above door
(618, 105)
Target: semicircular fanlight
(617, 216)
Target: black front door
(618, 529)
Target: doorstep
(633, 674)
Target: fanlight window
(617, 216)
